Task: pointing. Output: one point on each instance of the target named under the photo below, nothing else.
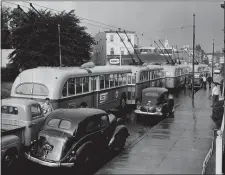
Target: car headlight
(158, 109)
(138, 107)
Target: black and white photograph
(112, 87)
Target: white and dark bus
(102, 87)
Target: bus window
(78, 85)
(64, 92)
(102, 82)
(124, 79)
(111, 80)
(93, 83)
(71, 86)
(153, 75)
(85, 84)
(106, 81)
(150, 75)
(116, 80)
(129, 79)
(120, 79)
(134, 79)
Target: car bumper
(49, 164)
(147, 113)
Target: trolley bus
(143, 77)
(102, 87)
(176, 75)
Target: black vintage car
(71, 137)
(155, 101)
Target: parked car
(10, 150)
(21, 121)
(155, 102)
(70, 137)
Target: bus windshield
(32, 89)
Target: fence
(213, 163)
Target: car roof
(18, 102)
(158, 90)
(75, 114)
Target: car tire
(165, 111)
(9, 159)
(123, 102)
(121, 140)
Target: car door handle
(102, 132)
(32, 125)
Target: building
(4, 56)
(110, 46)
(187, 54)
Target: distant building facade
(109, 47)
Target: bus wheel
(123, 101)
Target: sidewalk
(175, 145)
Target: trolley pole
(60, 58)
(213, 58)
(193, 64)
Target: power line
(82, 18)
(102, 25)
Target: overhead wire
(101, 24)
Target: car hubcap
(123, 103)
(8, 160)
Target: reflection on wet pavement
(175, 145)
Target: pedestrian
(209, 79)
(204, 81)
(215, 94)
(221, 87)
(47, 107)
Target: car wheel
(123, 102)
(121, 140)
(9, 159)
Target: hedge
(8, 74)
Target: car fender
(118, 129)
(83, 148)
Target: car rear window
(9, 110)
(65, 124)
(57, 123)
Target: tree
(36, 39)
(5, 32)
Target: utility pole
(193, 65)
(224, 53)
(213, 58)
(60, 59)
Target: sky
(154, 19)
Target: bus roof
(57, 76)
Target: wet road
(136, 128)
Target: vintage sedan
(71, 137)
(155, 102)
